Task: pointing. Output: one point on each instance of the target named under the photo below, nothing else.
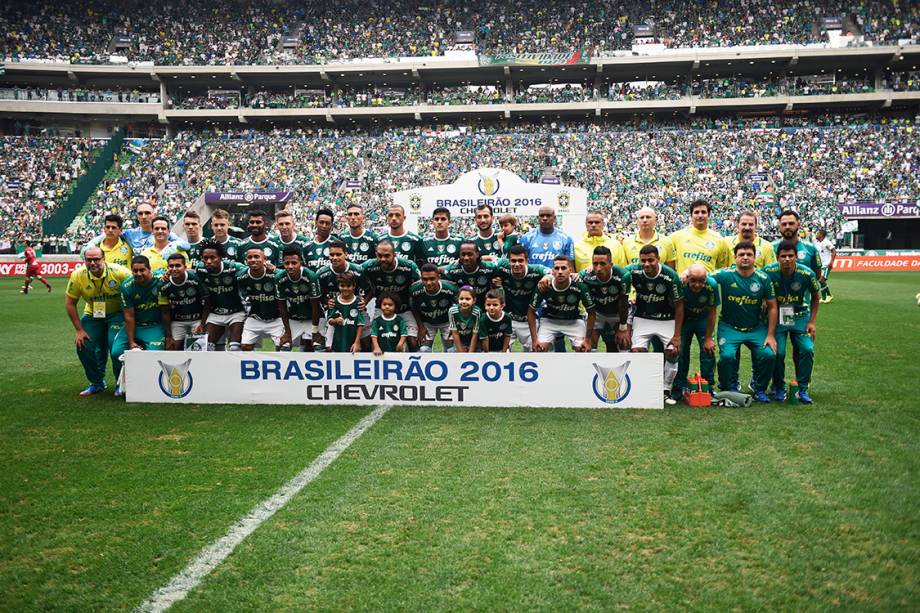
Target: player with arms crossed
(561, 313)
(745, 293)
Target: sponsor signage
(877, 263)
(879, 210)
(570, 380)
(247, 197)
(535, 59)
(45, 269)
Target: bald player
(701, 300)
(646, 219)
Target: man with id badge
(98, 283)
(798, 294)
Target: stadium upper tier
(190, 32)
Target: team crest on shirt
(557, 245)
(227, 279)
(451, 249)
(702, 299)
(400, 279)
(268, 286)
(801, 255)
(710, 244)
(482, 280)
(406, 247)
(444, 302)
(175, 380)
(364, 247)
(571, 299)
(796, 286)
(124, 249)
(611, 385)
(190, 291)
(353, 313)
(755, 286)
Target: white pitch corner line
(211, 556)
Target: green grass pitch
(772, 507)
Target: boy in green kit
(346, 316)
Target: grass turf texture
(768, 507)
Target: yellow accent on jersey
(106, 287)
(765, 253)
(158, 261)
(584, 251)
(695, 247)
(632, 245)
(120, 254)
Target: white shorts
(254, 330)
(226, 320)
(646, 329)
(573, 329)
(300, 330)
(600, 320)
(180, 329)
(411, 324)
(521, 330)
(447, 338)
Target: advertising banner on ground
(45, 269)
(877, 263)
(553, 380)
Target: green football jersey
(563, 303)
(231, 248)
(298, 242)
(299, 294)
(408, 246)
(185, 299)
(194, 254)
(344, 335)
(480, 279)
(433, 307)
(361, 248)
(269, 245)
(221, 288)
(743, 298)
(328, 280)
(519, 291)
(606, 294)
(795, 289)
(443, 252)
(464, 324)
(510, 241)
(398, 280)
(489, 245)
(388, 331)
(495, 331)
(697, 304)
(656, 296)
(261, 293)
(316, 255)
(806, 254)
(144, 299)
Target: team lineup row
(322, 293)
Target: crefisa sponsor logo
(611, 385)
(175, 380)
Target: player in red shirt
(31, 268)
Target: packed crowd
(810, 169)
(182, 32)
(78, 95)
(36, 175)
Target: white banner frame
(547, 380)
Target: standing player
(223, 311)
(191, 221)
(495, 327)
(32, 269)
(99, 285)
(220, 225)
(287, 235)
(746, 292)
(488, 242)
(316, 252)
(388, 332)
(827, 252)
(472, 271)
(162, 247)
(183, 293)
(141, 305)
(609, 289)
(659, 310)
(406, 245)
(114, 247)
(701, 300)
(431, 299)
(268, 316)
(259, 225)
(346, 317)
(328, 281)
(440, 248)
(698, 243)
(747, 231)
(797, 295)
(545, 242)
(519, 283)
(561, 314)
(300, 288)
(594, 237)
(807, 254)
(389, 273)
(464, 321)
(360, 242)
(646, 220)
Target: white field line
(211, 556)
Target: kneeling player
(495, 327)
(223, 306)
(184, 293)
(561, 314)
(431, 299)
(388, 331)
(701, 299)
(268, 316)
(346, 316)
(299, 288)
(607, 284)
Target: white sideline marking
(211, 556)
